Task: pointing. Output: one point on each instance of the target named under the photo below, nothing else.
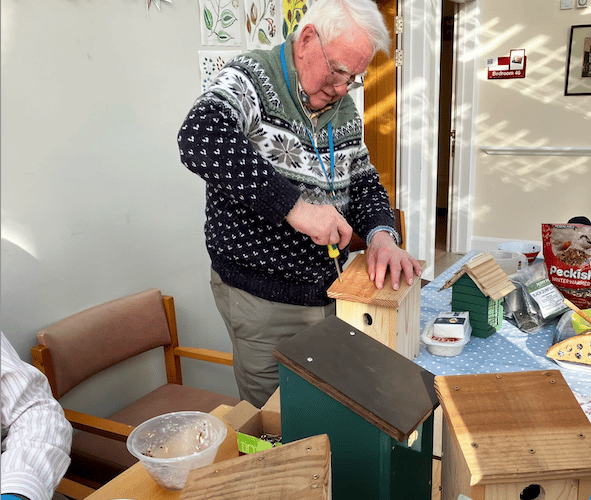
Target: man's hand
(323, 223)
(383, 253)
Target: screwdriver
(333, 252)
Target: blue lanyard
(331, 146)
(330, 177)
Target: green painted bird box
(375, 405)
(478, 288)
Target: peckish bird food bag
(567, 254)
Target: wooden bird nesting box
(515, 436)
(479, 287)
(375, 405)
(389, 316)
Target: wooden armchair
(80, 346)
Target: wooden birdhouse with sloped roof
(479, 287)
(393, 317)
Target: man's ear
(306, 38)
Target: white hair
(332, 18)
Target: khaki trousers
(256, 326)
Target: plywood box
(513, 435)
(390, 316)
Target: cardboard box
(250, 423)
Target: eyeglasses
(337, 79)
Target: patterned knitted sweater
(250, 140)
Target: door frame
(464, 112)
(418, 91)
(418, 118)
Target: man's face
(348, 55)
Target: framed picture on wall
(578, 63)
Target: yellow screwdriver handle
(333, 251)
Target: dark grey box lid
(382, 386)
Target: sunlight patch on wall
(17, 236)
(491, 39)
(545, 78)
(481, 213)
(541, 174)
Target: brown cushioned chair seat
(88, 449)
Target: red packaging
(567, 253)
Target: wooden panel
(378, 322)
(408, 333)
(584, 489)
(357, 287)
(380, 108)
(134, 483)
(436, 481)
(437, 432)
(298, 470)
(455, 476)
(520, 425)
(563, 489)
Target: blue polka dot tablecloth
(508, 350)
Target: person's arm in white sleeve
(36, 437)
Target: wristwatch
(388, 229)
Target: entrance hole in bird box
(533, 492)
(367, 319)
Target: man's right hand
(323, 223)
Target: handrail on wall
(535, 151)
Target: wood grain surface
(516, 425)
(357, 287)
(294, 471)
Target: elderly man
(278, 141)
(36, 437)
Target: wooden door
(380, 107)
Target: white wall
(513, 194)
(95, 201)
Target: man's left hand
(383, 253)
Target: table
(508, 350)
(135, 482)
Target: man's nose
(341, 90)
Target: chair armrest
(75, 490)
(98, 425)
(222, 358)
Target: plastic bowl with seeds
(171, 445)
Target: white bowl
(447, 348)
(530, 250)
(509, 261)
(171, 445)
